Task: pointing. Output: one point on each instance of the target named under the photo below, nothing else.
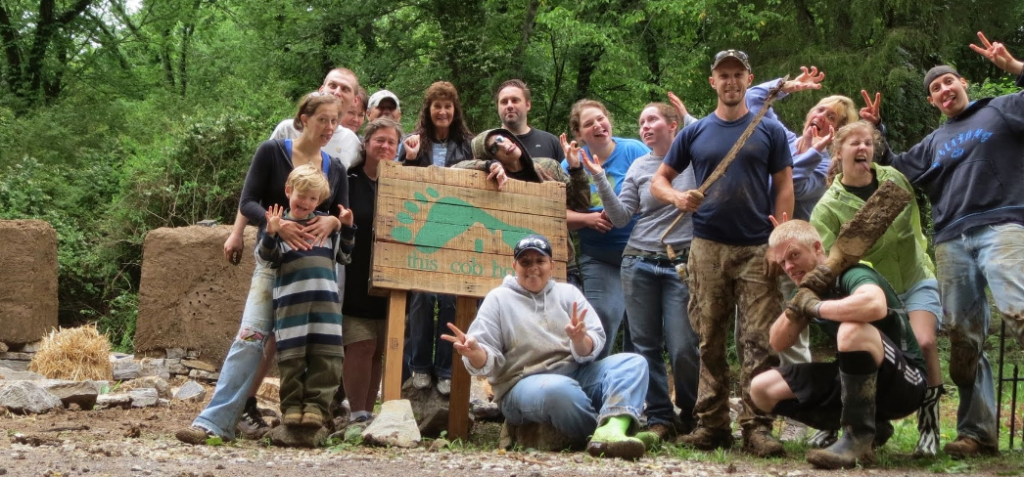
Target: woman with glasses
(317, 119)
(601, 245)
(656, 298)
(441, 139)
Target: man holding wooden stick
(726, 263)
(879, 371)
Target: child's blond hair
(308, 178)
(800, 230)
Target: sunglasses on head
(737, 53)
(498, 142)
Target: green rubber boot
(610, 440)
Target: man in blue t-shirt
(730, 238)
(971, 167)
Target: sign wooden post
(450, 231)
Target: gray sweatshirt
(524, 333)
(635, 198)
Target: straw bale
(75, 354)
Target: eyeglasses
(498, 142)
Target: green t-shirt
(895, 325)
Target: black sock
(857, 362)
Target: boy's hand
(345, 216)
(274, 214)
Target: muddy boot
(760, 442)
(858, 416)
(706, 438)
(964, 447)
(610, 440)
(928, 423)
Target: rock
(395, 426)
(3, 349)
(14, 364)
(82, 393)
(144, 397)
(485, 410)
(175, 367)
(192, 353)
(190, 391)
(107, 401)
(439, 444)
(15, 375)
(162, 388)
(26, 397)
(32, 347)
(175, 353)
(17, 356)
(543, 437)
(204, 375)
(270, 390)
(294, 436)
(430, 408)
(125, 369)
(155, 367)
(200, 365)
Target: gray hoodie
(524, 333)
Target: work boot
(858, 422)
(928, 423)
(665, 432)
(760, 442)
(252, 425)
(706, 438)
(965, 446)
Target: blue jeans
(656, 301)
(577, 402)
(602, 286)
(239, 370)
(990, 255)
(425, 351)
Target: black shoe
(252, 425)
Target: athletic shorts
(900, 386)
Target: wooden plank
(436, 282)
(395, 347)
(483, 199)
(468, 178)
(502, 218)
(474, 265)
(475, 239)
(458, 401)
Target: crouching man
(537, 341)
(879, 372)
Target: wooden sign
(451, 231)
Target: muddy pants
(308, 384)
(721, 278)
(991, 255)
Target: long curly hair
(442, 90)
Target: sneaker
(444, 386)
(194, 435)
(822, 438)
(706, 438)
(968, 447)
(420, 380)
(251, 425)
(761, 443)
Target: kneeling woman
(537, 341)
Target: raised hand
(345, 216)
(822, 142)
(807, 79)
(678, 104)
(576, 329)
(498, 174)
(466, 346)
(274, 214)
(998, 55)
(775, 222)
(593, 165)
(871, 113)
(571, 150)
(412, 146)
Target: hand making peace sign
(998, 55)
(872, 113)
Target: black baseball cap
(936, 72)
(726, 54)
(532, 242)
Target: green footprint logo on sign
(448, 218)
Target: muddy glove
(803, 307)
(818, 280)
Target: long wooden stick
(729, 158)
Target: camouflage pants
(722, 277)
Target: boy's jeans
(236, 376)
(990, 255)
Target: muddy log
(858, 235)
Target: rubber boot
(858, 416)
(928, 423)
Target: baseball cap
(381, 95)
(726, 54)
(935, 72)
(532, 242)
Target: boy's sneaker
(420, 380)
(252, 425)
(194, 435)
(444, 386)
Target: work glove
(803, 307)
(818, 280)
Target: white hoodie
(524, 333)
